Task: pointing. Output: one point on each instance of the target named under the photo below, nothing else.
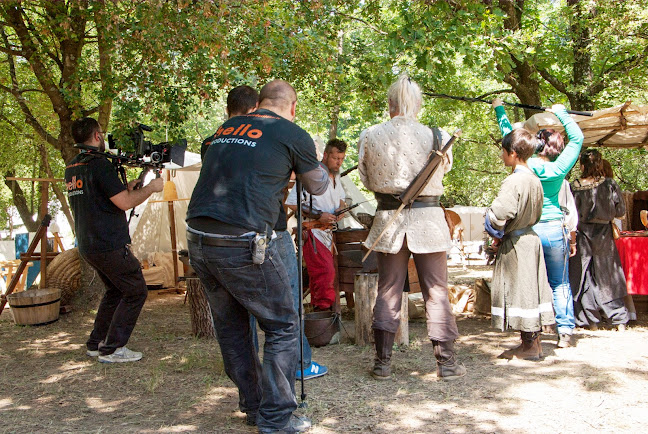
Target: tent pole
(174, 247)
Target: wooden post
(43, 212)
(365, 292)
(202, 321)
(174, 247)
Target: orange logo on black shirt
(75, 186)
(240, 135)
(242, 130)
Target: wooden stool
(366, 291)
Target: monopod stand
(300, 280)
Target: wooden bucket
(320, 327)
(35, 306)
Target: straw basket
(35, 306)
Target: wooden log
(202, 321)
(365, 292)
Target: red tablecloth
(633, 252)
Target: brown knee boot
(382, 362)
(529, 349)
(448, 368)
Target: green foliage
(169, 64)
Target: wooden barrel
(348, 243)
(35, 306)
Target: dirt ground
(48, 384)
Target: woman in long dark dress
(596, 275)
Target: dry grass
(49, 385)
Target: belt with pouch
(598, 221)
(387, 202)
(518, 232)
(218, 242)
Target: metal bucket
(320, 327)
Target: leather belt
(598, 221)
(387, 202)
(518, 232)
(218, 242)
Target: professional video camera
(145, 153)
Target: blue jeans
(236, 288)
(286, 251)
(555, 246)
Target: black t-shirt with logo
(100, 225)
(245, 168)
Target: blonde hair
(404, 97)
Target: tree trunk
(55, 187)
(581, 98)
(20, 202)
(335, 116)
(202, 322)
(521, 78)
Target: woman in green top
(552, 162)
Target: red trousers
(321, 272)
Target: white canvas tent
(623, 126)
(150, 228)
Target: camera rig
(146, 155)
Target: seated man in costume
(318, 240)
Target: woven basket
(64, 273)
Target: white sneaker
(92, 353)
(121, 355)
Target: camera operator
(230, 217)
(99, 200)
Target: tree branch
(55, 187)
(43, 46)
(552, 80)
(371, 26)
(17, 94)
(13, 16)
(20, 202)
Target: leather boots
(529, 349)
(448, 368)
(382, 362)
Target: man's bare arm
(130, 198)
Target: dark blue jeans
(236, 288)
(286, 250)
(122, 302)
